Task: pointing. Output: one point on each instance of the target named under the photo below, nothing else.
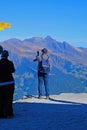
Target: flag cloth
(1, 28)
(4, 25)
(7, 25)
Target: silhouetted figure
(7, 85)
(1, 49)
(43, 71)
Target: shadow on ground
(41, 116)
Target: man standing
(43, 71)
(6, 85)
(1, 49)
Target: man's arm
(38, 58)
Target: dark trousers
(6, 99)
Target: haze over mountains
(69, 65)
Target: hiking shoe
(39, 97)
(47, 97)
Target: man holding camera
(43, 71)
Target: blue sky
(63, 20)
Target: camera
(37, 53)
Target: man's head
(5, 54)
(44, 50)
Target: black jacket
(6, 70)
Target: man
(6, 85)
(43, 71)
(1, 49)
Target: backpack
(44, 65)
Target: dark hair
(44, 50)
(5, 54)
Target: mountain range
(69, 65)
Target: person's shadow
(63, 101)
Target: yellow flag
(1, 28)
(1, 24)
(7, 25)
(4, 25)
